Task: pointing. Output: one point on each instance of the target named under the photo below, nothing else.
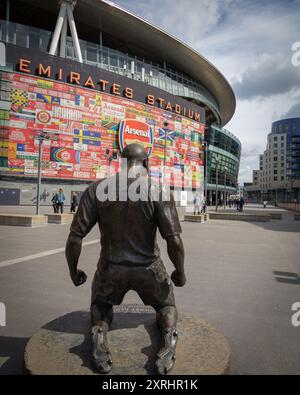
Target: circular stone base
(63, 347)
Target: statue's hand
(78, 278)
(178, 279)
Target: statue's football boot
(101, 355)
(166, 356)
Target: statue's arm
(176, 255)
(73, 251)
(84, 220)
(170, 230)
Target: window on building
(34, 40)
(21, 36)
(275, 159)
(91, 53)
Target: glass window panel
(91, 53)
(9, 32)
(45, 41)
(21, 36)
(113, 60)
(70, 51)
(34, 40)
(104, 58)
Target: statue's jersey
(128, 228)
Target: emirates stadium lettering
(75, 78)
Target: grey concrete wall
(28, 191)
(47, 190)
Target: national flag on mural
(55, 100)
(20, 112)
(170, 135)
(19, 97)
(110, 124)
(21, 147)
(43, 98)
(87, 137)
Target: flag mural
(84, 127)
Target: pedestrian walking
(197, 204)
(74, 202)
(59, 199)
(54, 203)
(203, 206)
(242, 204)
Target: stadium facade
(90, 77)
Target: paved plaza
(242, 277)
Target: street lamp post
(110, 158)
(225, 187)
(205, 145)
(40, 138)
(7, 19)
(165, 128)
(217, 182)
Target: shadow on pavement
(79, 323)
(12, 354)
(287, 278)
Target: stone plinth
(60, 219)
(63, 347)
(276, 216)
(194, 218)
(240, 217)
(32, 221)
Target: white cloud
(186, 19)
(294, 111)
(258, 81)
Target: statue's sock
(100, 352)
(167, 354)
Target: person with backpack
(59, 200)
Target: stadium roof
(130, 33)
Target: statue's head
(136, 155)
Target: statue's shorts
(152, 284)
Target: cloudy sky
(250, 42)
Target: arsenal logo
(136, 132)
